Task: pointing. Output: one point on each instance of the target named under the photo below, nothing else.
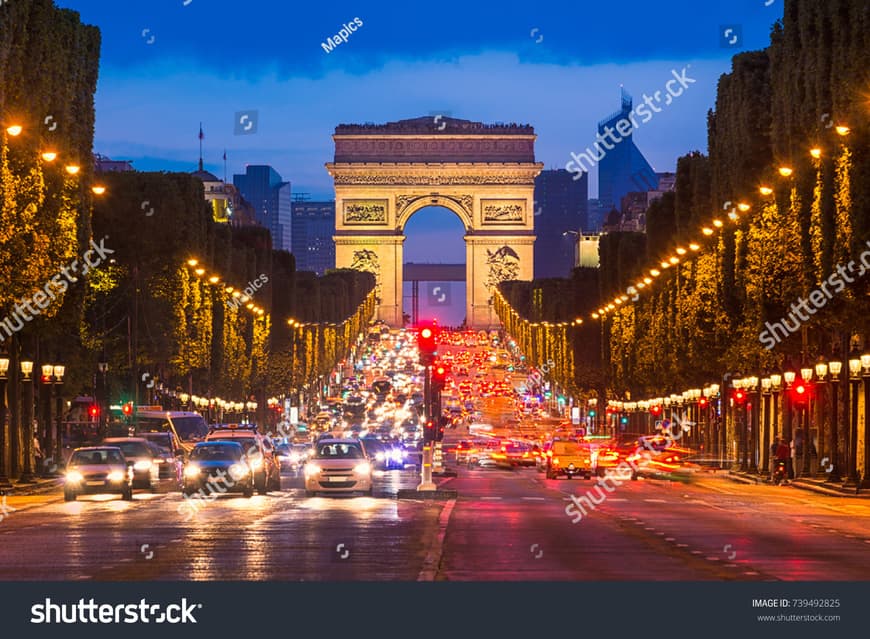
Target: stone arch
(484, 174)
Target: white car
(338, 466)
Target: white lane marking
(655, 501)
(617, 499)
(433, 557)
(492, 498)
(669, 539)
(535, 498)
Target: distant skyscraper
(623, 168)
(262, 186)
(313, 228)
(560, 206)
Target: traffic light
(439, 377)
(591, 413)
(801, 393)
(702, 403)
(94, 411)
(429, 432)
(427, 343)
(127, 409)
(623, 419)
(439, 435)
(656, 410)
(739, 396)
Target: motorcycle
(780, 473)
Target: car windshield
(96, 457)
(134, 449)
(565, 448)
(249, 444)
(216, 452)
(187, 428)
(338, 451)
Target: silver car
(97, 470)
(338, 466)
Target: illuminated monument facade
(485, 174)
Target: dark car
(97, 470)
(151, 466)
(223, 464)
(258, 449)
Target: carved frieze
(503, 211)
(365, 211)
(392, 179)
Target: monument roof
(435, 124)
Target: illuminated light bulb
(73, 169)
(785, 171)
(647, 280)
(674, 260)
(98, 189)
(665, 264)
(765, 190)
(192, 262)
(14, 130)
(717, 223)
(816, 152)
(707, 230)
(681, 251)
(214, 279)
(694, 246)
(732, 215)
(743, 206)
(200, 271)
(842, 130)
(49, 156)
(655, 272)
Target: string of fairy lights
(694, 246)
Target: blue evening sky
(210, 59)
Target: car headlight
(256, 462)
(312, 469)
(294, 457)
(379, 456)
(191, 470)
(142, 464)
(74, 477)
(238, 471)
(364, 468)
(116, 475)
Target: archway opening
(434, 284)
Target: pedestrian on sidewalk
(37, 452)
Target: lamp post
(4, 370)
(102, 397)
(852, 440)
(865, 364)
(835, 366)
(27, 422)
(766, 425)
(807, 377)
(59, 370)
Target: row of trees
(706, 315)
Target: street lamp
(27, 422)
(4, 373)
(854, 379)
(835, 366)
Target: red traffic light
(702, 402)
(426, 333)
(800, 389)
(127, 408)
(94, 410)
(656, 410)
(739, 396)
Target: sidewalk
(816, 485)
(39, 486)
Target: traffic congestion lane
(280, 536)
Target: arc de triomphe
(485, 174)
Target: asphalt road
(505, 525)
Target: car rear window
(566, 448)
